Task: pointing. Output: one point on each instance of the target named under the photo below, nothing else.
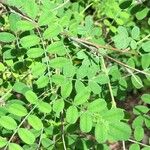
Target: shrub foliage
(67, 69)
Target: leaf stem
(109, 85)
(86, 8)
(145, 38)
(133, 141)
(125, 65)
(40, 139)
(62, 5)
(100, 46)
(123, 145)
(63, 131)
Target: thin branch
(100, 46)
(145, 38)
(109, 85)
(86, 8)
(63, 131)
(133, 75)
(128, 75)
(133, 141)
(89, 46)
(125, 65)
(38, 148)
(23, 16)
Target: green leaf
(145, 60)
(3, 142)
(31, 8)
(31, 97)
(26, 136)
(20, 87)
(24, 25)
(122, 39)
(17, 109)
(58, 105)
(119, 131)
(44, 107)
(66, 89)
(46, 142)
(125, 4)
(57, 48)
(58, 62)
(146, 46)
(94, 87)
(35, 52)
(81, 97)
(8, 123)
(3, 111)
(138, 133)
(138, 121)
(2, 67)
(101, 79)
(29, 41)
(136, 81)
(79, 86)
(139, 109)
(115, 73)
(123, 84)
(46, 18)
(133, 44)
(42, 81)
(52, 31)
(134, 147)
(72, 114)
(147, 121)
(113, 115)
(14, 146)
(82, 71)
(35, 122)
(131, 62)
(142, 14)
(97, 105)
(135, 33)
(69, 70)
(101, 133)
(13, 19)
(146, 98)
(38, 69)
(85, 122)
(7, 37)
(17, 3)
(58, 79)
